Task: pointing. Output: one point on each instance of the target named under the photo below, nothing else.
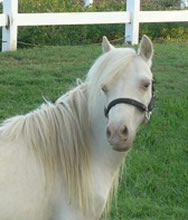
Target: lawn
(155, 183)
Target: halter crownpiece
(143, 108)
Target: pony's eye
(104, 89)
(146, 85)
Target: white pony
(62, 161)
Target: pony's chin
(121, 149)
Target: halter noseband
(143, 108)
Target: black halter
(143, 108)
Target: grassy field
(155, 184)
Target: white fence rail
(73, 18)
(10, 20)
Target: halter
(143, 108)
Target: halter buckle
(148, 115)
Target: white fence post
(132, 28)
(9, 33)
(184, 4)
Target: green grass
(155, 184)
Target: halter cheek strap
(143, 108)
(133, 102)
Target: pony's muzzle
(118, 136)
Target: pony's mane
(56, 134)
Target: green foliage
(160, 5)
(175, 32)
(154, 186)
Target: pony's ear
(106, 46)
(145, 49)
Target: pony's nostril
(124, 131)
(108, 132)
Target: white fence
(10, 20)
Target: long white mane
(56, 134)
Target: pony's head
(121, 81)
